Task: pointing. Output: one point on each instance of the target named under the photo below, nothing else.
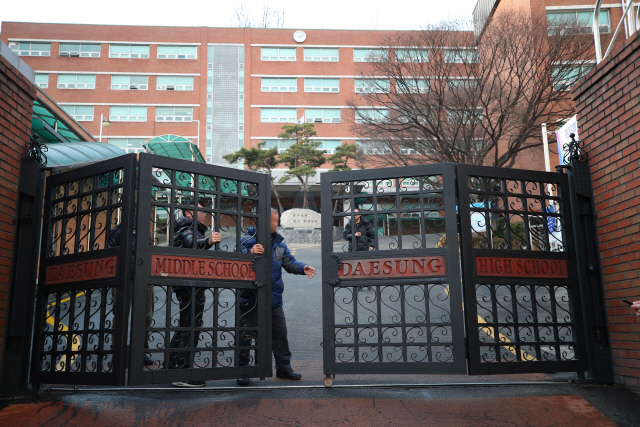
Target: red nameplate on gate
(201, 268)
(522, 267)
(382, 268)
(93, 269)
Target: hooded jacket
(367, 238)
(280, 258)
(183, 236)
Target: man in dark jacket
(189, 234)
(365, 237)
(280, 258)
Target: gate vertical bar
(600, 360)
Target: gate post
(596, 331)
(15, 367)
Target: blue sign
(551, 221)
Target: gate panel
(411, 320)
(82, 298)
(521, 283)
(188, 315)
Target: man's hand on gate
(358, 234)
(370, 248)
(257, 249)
(214, 238)
(635, 308)
(309, 271)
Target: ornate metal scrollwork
(574, 151)
(35, 151)
(333, 265)
(258, 282)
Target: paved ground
(552, 401)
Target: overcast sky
(329, 14)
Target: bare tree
(266, 17)
(436, 96)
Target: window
(461, 56)
(128, 114)
(373, 148)
(174, 83)
(279, 85)
(412, 55)
(130, 145)
(565, 77)
(80, 50)
(42, 81)
(322, 85)
(321, 54)
(174, 114)
(453, 84)
(322, 115)
(576, 21)
(80, 113)
(371, 115)
(464, 117)
(129, 51)
(76, 81)
(278, 53)
(369, 55)
(278, 115)
(413, 85)
(329, 146)
(275, 143)
(31, 49)
(129, 82)
(177, 52)
(372, 85)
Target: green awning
(174, 146)
(49, 127)
(80, 152)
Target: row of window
(326, 54)
(576, 21)
(118, 82)
(84, 113)
(319, 115)
(92, 50)
(332, 85)
(329, 146)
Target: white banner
(562, 135)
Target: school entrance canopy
(174, 146)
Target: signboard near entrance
(522, 267)
(384, 268)
(201, 268)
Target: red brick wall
(608, 107)
(16, 105)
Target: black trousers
(280, 343)
(182, 339)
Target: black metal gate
(398, 307)
(200, 313)
(82, 302)
(520, 278)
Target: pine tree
(302, 156)
(259, 160)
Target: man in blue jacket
(280, 258)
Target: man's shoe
(148, 361)
(243, 380)
(191, 384)
(289, 374)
